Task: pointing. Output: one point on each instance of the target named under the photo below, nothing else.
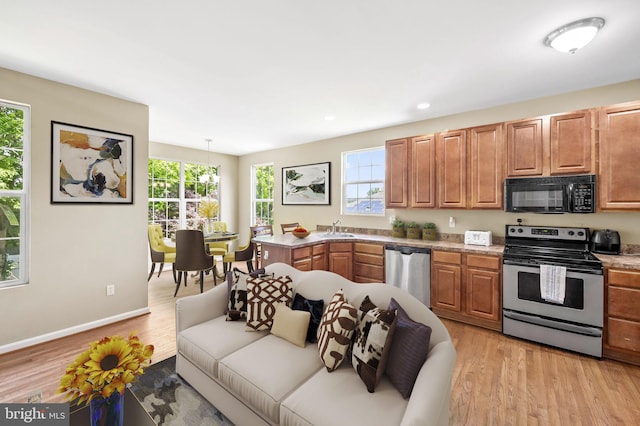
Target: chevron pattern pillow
(263, 295)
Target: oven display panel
(544, 231)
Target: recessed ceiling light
(329, 117)
(574, 36)
(423, 105)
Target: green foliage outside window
(11, 185)
(263, 198)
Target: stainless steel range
(553, 288)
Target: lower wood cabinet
(310, 258)
(341, 259)
(622, 316)
(368, 263)
(467, 287)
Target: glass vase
(107, 411)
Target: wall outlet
(266, 254)
(34, 397)
(392, 218)
(452, 222)
(111, 290)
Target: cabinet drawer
(624, 278)
(368, 259)
(624, 334)
(376, 249)
(340, 247)
(446, 257)
(624, 302)
(319, 249)
(485, 262)
(301, 252)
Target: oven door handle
(536, 320)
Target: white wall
(331, 149)
(76, 250)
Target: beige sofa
(258, 378)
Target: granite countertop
(624, 261)
(289, 240)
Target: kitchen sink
(337, 235)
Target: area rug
(173, 402)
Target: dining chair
(243, 254)
(161, 252)
(218, 248)
(257, 231)
(191, 256)
(288, 227)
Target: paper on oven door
(553, 283)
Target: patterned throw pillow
(336, 329)
(372, 342)
(408, 351)
(263, 294)
(237, 293)
(315, 308)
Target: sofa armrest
(429, 401)
(192, 310)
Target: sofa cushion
(338, 398)
(290, 325)
(236, 308)
(336, 330)
(263, 294)
(206, 343)
(372, 341)
(264, 373)
(408, 352)
(315, 308)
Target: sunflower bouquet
(106, 367)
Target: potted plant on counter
(397, 229)
(429, 231)
(413, 231)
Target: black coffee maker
(605, 241)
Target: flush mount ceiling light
(574, 36)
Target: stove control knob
(571, 233)
(520, 230)
(580, 233)
(512, 230)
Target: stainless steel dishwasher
(409, 268)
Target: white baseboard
(21, 344)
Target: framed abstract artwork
(309, 184)
(90, 165)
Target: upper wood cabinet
(524, 148)
(619, 185)
(396, 173)
(452, 169)
(552, 145)
(572, 139)
(486, 167)
(423, 171)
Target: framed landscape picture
(309, 184)
(90, 165)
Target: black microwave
(554, 194)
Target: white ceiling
(259, 74)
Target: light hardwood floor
(497, 380)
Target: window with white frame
(262, 194)
(175, 192)
(363, 173)
(15, 142)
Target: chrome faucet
(333, 230)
